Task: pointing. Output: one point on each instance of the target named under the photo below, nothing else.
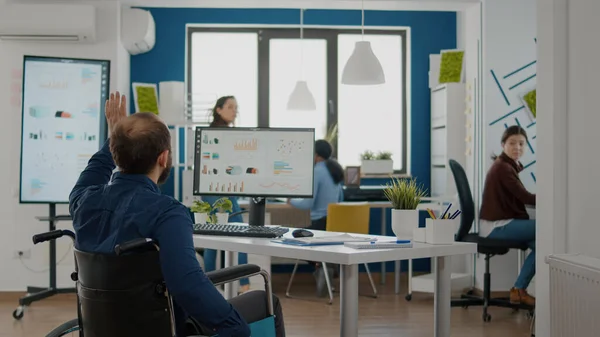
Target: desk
(349, 259)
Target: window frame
(265, 33)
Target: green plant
(404, 193)
(367, 155)
(451, 66)
(223, 205)
(530, 100)
(201, 207)
(384, 155)
(331, 134)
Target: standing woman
(224, 113)
(503, 215)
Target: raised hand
(115, 109)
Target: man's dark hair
(137, 141)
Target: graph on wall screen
(63, 124)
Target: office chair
(345, 218)
(125, 295)
(486, 246)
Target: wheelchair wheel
(65, 329)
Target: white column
(552, 38)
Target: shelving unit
(447, 135)
(448, 141)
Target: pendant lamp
(363, 67)
(301, 98)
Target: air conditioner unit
(55, 22)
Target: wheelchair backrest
(123, 296)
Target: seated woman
(327, 189)
(503, 215)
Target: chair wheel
(18, 313)
(486, 317)
(408, 297)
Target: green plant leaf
(404, 193)
(201, 207)
(451, 66)
(530, 100)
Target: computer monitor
(254, 162)
(63, 124)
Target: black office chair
(486, 246)
(125, 295)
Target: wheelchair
(124, 295)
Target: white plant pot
(377, 166)
(222, 218)
(201, 218)
(404, 221)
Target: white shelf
(447, 135)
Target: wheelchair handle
(131, 245)
(52, 235)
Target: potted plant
(201, 210)
(404, 195)
(380, 163)
(222, 206)
(331, 135)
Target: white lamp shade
(301, 98)
(363, 67)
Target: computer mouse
(302, 233)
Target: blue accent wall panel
(430, 32)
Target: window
(224, 64)
(261, 67)
(371, 117)
(291, 60)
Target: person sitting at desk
(106, 213)
(503, 215)
(327, 189)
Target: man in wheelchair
(130, 206)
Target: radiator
(574, 295)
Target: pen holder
(440, 231)
(419, 235)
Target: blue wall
(430, 32)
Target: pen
(457, 213)
(431, 214)
(447, 209)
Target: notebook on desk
(325, 240)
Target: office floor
(388, 315)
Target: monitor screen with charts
(63, 124)
(256, 162)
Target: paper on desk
(342, 238)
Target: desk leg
(442, 294)
(349, 301)
(397, 276)
(230, 286)
(383, 232)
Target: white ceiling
(440, 5)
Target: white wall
(568, 54)
(18, 221)
(509, 44)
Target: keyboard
(242, 231)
